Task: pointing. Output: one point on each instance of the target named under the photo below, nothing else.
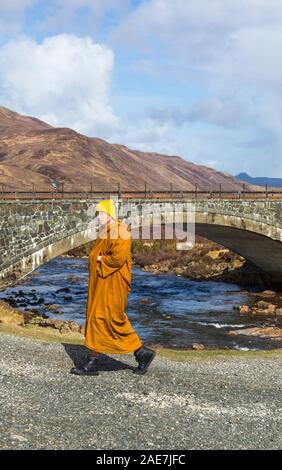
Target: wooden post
(220, 190)
(91, 190)
(196, 191)
(171, 190)
(62, 189)
(243, 192)
(266, 191)
(145, 190)
(118, 190)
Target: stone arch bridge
(34, 232)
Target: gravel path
(216, 403)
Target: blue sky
(201, 79)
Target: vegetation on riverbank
(12, 321)
(49, 335)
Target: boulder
(263, 332)
(198, 346)
(266, 306)
(145, 301)
(244, 309)
(268, 292)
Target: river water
(164, 309)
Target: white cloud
(84, 15)
(195, 26)
(215, 112)
(228, 50)
(147, 135)
(234, 39)
(64, 80)
(11, 15)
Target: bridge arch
(45, 230)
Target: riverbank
(17, 322)
(32, 325)
(187, 400)
(207, 260)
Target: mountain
(13, 123)
(260, 180)
(33, 152)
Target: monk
(108, 329)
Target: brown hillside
(32, 151)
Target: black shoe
(144, 357)
(89, 368)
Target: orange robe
(107, 328)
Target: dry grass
(11, 322)
(49, 335)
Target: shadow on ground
(78, 355)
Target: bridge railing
(139, 194)
(58, 191)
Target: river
(165, 309)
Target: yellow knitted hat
(108, 206)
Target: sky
(201, 79)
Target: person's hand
(99, 258)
